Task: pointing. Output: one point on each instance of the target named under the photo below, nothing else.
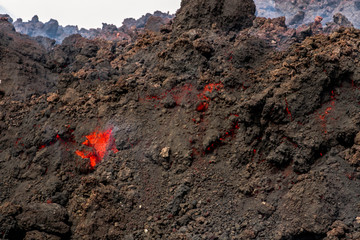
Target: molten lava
(202, 107)
(288, 110)
(99, 142)
(209, 88)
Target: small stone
(183, 229)
(338, 229)
(124, 174)
(71, 96)
(53, 97)
(200, 219)
(165, 152)
(248, 234)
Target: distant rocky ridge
(298, 12)
(130, 27)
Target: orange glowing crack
(288, 110)
(99, 143)
(327, 111)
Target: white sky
(86, 13)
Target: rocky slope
(184, 134)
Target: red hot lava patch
(99, 142)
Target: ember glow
(202, 107)
(287, 110)
(209, 88)
(324, 116)
(221, 140)
(185, 93)
(99, 142)
(179, 94)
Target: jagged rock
(154, 23)
(35, 19)
(6, 17)
(339, 21)
(228, 15)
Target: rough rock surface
(213, 135)
(228, 15)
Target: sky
(86, 13)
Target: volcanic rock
(325, 9)
(228, 15)
(154, 23)
(6, 17)
(50, 218)
(339, 21)
(247, 134)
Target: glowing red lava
(323, 117)
(221, 140)
(202, 107)
(209, 88)
(287, 110)
(99, 142)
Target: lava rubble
(189, 133)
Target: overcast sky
(86, 13)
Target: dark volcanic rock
(200, 134)
(154, 23)
(228, 15)
(339, 21)
(20, 65)
(50, 218)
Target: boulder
(228, 15)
